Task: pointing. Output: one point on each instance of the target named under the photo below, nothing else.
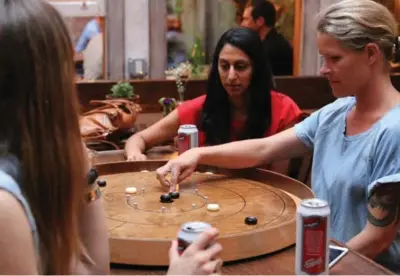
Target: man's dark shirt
(279, 53)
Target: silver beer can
(189, 233)
(188, 137)
(312, 237)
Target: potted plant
(122, 90)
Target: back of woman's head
(355, 23)
(216, 115)
(39, 122)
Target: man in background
(176, 47)
(92, 28)
(260, 16)
(93, 58)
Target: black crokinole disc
(166, 198)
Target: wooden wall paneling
(194, 22)
(309, 51)
(211, 24)
(390, 4)
(396, 10)
(310, 59)
(137, 40)
(105, 47)
(308, 92)
(115, 39)
(158, 41)
(297, 36)
(311, 92)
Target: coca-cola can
(312, 237)
(188, 137)
(189, 232)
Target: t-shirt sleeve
(307, 129)
(385, 167)
(189, 111)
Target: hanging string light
(84, 5)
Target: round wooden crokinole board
(140, 230)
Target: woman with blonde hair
(355, 140)
(51, 214)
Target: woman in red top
(239, 103)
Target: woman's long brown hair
(39, 123)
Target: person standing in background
(176, 48)
(260, 16)
(92, 28)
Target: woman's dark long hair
(216, 117)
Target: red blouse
(285, 113)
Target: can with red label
(312, 237)
(189, 233)
(188, 137)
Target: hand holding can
(189, 233)
(195, 251)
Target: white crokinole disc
(213, 207)
(130, 190)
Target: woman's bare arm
(250, 153)
(157, 133)
(95, 256)
(235, 155)
(18, 254)
(93, 231)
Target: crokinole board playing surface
(141, 227)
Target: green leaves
(122, 90)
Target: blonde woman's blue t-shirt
(346, 169)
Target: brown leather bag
(111, 117)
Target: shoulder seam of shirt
(335, 106)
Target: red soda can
(188, 137)
(312, 237)
(189, 233)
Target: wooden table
(281, 262)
